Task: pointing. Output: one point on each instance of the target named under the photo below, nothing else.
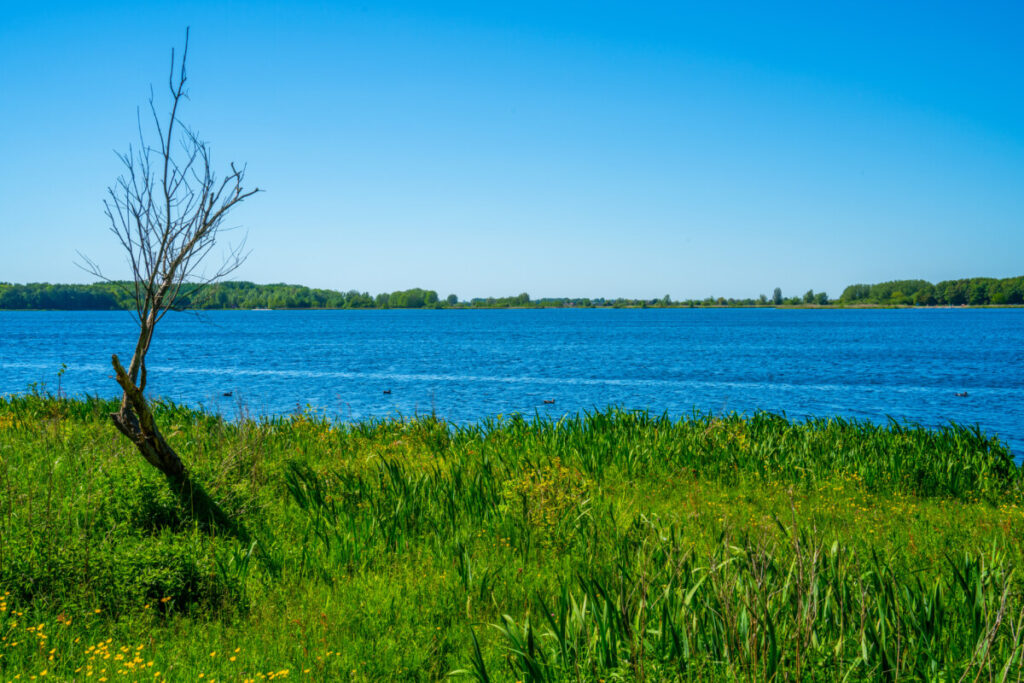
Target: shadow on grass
(201, 508)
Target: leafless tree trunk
(167, 210)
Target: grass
(612, 546)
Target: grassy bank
(616, 546)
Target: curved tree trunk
(135, 420)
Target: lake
(466, 365)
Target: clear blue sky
(578, 149)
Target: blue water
(464, 365)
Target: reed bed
(607, 546)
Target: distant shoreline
(243, 295)
(784, 307)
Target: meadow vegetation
(609, 546)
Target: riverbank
(613, 545)
(552, 308)
(541, 307)
(235, 295)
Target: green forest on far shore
(106, 296)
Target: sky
(561, 149)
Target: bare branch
(166, 210)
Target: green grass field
(615, 546)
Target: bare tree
(167, 210)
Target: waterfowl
(228, 393)
(549, 401)
(387, 391)
(961, 394)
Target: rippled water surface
(464, 365)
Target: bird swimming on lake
(549, 401)
(961, 394)
(387, 391)
(228, 393)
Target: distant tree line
(106, 296)
(975, 291)
(109, 296)
(98, 297)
